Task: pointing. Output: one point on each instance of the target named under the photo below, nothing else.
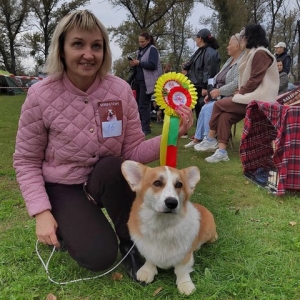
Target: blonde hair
(82, 20)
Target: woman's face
(279, 66)
(233, 46)
(83, 55)
(199, 41)
(143, 42)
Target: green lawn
(256, 257)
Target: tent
(8, 84)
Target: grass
(257, 255)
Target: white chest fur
(167, 238)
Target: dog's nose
(171, 203)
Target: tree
(178, 31)
(47, 13)
(12, 16)
(164, 19)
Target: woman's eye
(98, 47)
(77, 44)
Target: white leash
(46, 266)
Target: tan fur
(167, 236)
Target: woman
(258, 80)
(226, 84)
(147, 69)
(76, 128)
(283, 78)
(204, 64)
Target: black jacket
(204, 64)
(286, 61)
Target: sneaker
(206, 145)
(190, 144)
(191, 138)
(185, 136)
(217, 156)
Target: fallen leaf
(207, 273)
(51, 297)
(117, 276)
(246, 182)
(254, 220)
(293, 223)
(237, 211)
(157, 291)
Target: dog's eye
(178, 185)
(157, 183)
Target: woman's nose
(88, 52)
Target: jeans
(202, 128)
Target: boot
(133, 261)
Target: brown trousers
(88, 236)
(226, 113)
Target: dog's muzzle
(170, 203)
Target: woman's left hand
(134, 63)
(186, 119)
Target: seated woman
(226, 84)
(258, 80)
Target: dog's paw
(186, 288)
(214, 239)
(146, 274)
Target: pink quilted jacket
(60, 136)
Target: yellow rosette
(171, 90)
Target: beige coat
(268, 89)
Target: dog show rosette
(172, 90)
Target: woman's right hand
(46, 227)
(215, 93)
(206, 99)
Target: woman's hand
(46, 227)
(203, 92)
(186, 119)
(215, 93)
(134, 63)
(206, 99)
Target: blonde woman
(76, 128)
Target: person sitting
(203, 64)
(226, 84)
(283, 79)
(258, 80)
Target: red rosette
(179, 96)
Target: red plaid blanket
(267, 122)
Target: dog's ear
(133, 172)
(192, 176)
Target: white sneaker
(185, 136)
(206, 145)
(190, 144)
(217, 156)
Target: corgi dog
(164, 225)
(111, 115)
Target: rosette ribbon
(172, 90)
